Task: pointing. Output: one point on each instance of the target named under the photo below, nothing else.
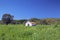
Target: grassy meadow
(21, 32)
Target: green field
(21, 32)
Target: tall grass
(21, 32)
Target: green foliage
(20, 32)
(36, 20)
(20, 21)
(7, 18)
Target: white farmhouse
(28, 23)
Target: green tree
(7, 18)
(36, 20)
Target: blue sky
(25, 9)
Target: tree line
(9, 19)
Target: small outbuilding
(28, 23)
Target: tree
(36, 20)
(7, 18)
(21, 21)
